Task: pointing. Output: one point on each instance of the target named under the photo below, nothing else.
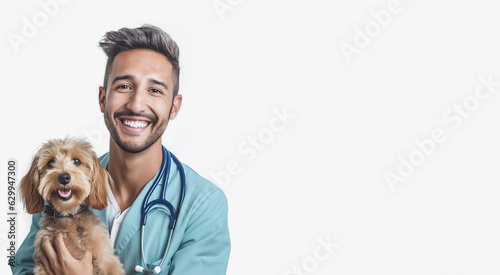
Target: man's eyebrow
(157, 82)
(130, 77)
(126, 77)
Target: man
(138, 98)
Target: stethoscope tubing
(146, 205)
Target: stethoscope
(146, 206)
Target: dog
(66, 178)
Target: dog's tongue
(64, 193)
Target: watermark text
(454, 118)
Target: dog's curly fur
(87, 183)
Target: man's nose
(137, 101)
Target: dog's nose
(64, 178)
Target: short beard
(136, 148)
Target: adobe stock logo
(324, 249)
(30, 27)
(250, 147)
(223, 6)
(363, 37)
(96, 135)
(454, 117)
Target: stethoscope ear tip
(139, 268)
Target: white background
(321, 176)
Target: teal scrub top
(200, 242)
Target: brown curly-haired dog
(67, 175)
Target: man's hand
(58, 260)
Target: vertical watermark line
(11, 210)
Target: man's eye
(156, 91)
(124, 87)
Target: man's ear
(176, 106)
(102, 98)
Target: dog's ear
(33, 201)
(98, 197)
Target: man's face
(138, 101)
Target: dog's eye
(77, 162)
(51, 163)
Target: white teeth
(135, 123)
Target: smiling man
(138, 98)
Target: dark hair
(146, 37)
